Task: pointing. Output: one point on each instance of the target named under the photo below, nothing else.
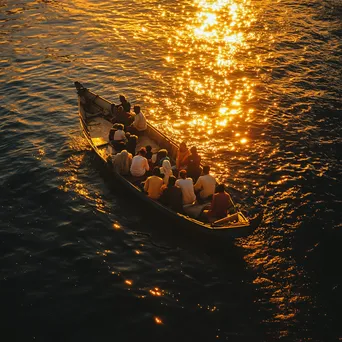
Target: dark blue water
(256, 86)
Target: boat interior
(96, 113)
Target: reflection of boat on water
(93, 113)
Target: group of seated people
(183, 184)
(157, 178)
(179, 193)
(121, 114)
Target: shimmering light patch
(129, 282)
(156, 292)
(158, 320)
(212, 86)
(116, 226)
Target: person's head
(128, 135)
(124, 153)
(166, 164)
(220, 187)
(142, 151)
(182, 146)
(122, 98)
(120, 109)
(193, 150)
(183, 174)
(156, 171)
(148, 148)
(172, 181)
(120, 127)
(206, 169)
(136, 109)
(162, 153)
(133, 138)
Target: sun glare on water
(209, 52)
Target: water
(256, 86)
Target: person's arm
(136, 121)
(147, 167)
(198, 185)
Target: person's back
(221, 203)
(182, 156)
(161, 156)
(187, 187)
(206, 184)
(166, 170)
(153, 184)
(122, 162)
(119, 134)
(125, 104)
(172, 196)
(132, 144)
(139, 164)
(139, 122)
(122, 117)
(193, 162)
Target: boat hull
(98, 144)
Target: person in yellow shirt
(153, 184)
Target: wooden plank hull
(99, 141)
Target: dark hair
(206, 169)
(133, 137)
(122, 97)
(148, 148)
(162, 153)
(182, 147)
(172, 181)
(183, 174)
(136, 107)
(220, 188)
(156, 171)
(120, 126)
(193, 150)
(142, 151)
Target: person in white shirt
(139, 124)
(119, 138)
(139, 164)
(120, 133)
(205, 184)
(187, 187)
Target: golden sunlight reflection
(156, 292)
(211, 53)
(158, 320)
(116, 225)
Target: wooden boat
(94, 116)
